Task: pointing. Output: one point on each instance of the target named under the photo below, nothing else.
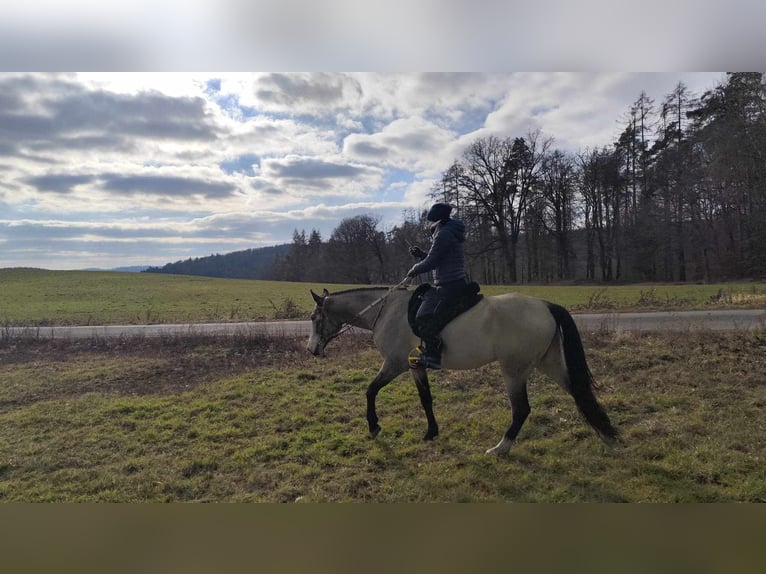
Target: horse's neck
(355, 308)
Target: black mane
(357, 289)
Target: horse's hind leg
(516, 385)
(554, 365)
(424, 390)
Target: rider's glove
(416, 251)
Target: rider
(446, 260)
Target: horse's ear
(318, 299)
(325, 293)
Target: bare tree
(356, 248)
(558, 190)
(498, 176)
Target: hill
(129, 269)
(248, 264)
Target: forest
(255, 263)
(680, 196)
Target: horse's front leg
(385, 375)
(424, 390)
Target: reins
(378, 301)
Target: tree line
(258, 263)
(679, 196)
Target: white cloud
(411, 143)
(175, 165)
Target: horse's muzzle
(316, 349)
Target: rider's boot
(432, 354)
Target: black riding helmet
(439, 212)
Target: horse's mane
(357, 289)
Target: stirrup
(414, 359)
(419, 359)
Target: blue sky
(106, 170)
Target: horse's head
(323, 326)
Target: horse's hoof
(500, 449)
(374, 432)
(430, 436)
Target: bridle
(379, 301)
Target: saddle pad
(445, 313)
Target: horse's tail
(581, 381)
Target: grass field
(254, 419)
(38, 297)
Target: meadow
(253, 419)
(37, 297)
(249, 418)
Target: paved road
(735, 320)
(652, 321)
(278, 328)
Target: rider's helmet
(439, 212)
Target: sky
(100, 170)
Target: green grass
(645, 296)
(260, 420)
(38, 297)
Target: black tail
(580, 378)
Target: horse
(520, 332)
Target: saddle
(469, 297)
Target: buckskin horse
(521, 333)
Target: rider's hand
(411, 273)
(416, 251)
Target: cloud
(57, 243)
(42, 114)
(130, 187)
(147, 114)
(77, 244)
(578, 110)
(58, 183)
(295, 178)
(314, 92)
(409, 143)
(166, 186)
(314, 169)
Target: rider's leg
(429, 329)
(429, 332)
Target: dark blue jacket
(445, 258)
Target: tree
(485, 180)
(356, 249)
(600, 185)
(672, 177)
(729, 129)
(497, 178)
(558, 192)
